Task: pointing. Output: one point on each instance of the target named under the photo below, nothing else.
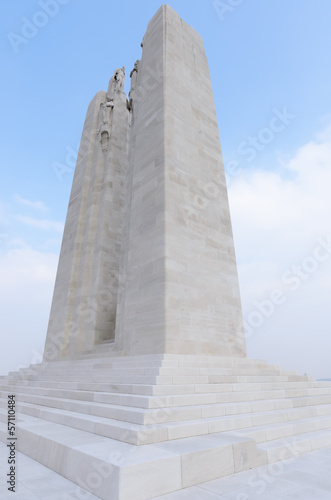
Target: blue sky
(271, 74)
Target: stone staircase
(139, 427)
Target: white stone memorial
(147, 263)
(145, 387)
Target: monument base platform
(144, 426)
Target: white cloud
(283, 208)
(278, 218)
(38, 205)
(26, 287)
(27, 280)
(44, 224)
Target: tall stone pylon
(147, 263)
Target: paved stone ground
(36, 482)
(307, 477)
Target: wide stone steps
(149, 378)
(105, 466)
(156, 369)
(172, 360)
(165, 365)
(276, 389)
(147, 416)
(214, 407)
(259, 427)
(192, 418)
(181, 400)
(72, 453)
(55, 369)
(142, 396)
(254, 426)
(138, 426)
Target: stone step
(151, 402)
(278, 375)
(235, 381)
(264, 433)
(220, 388)
(67, 391)
(113, 378)
(289, 448)
(147, 416)
(255, 427)
(175, 385)
(287, 385)
(169, 375)
(221, 375)
(90, 386)
(125, 432)
(166, 373)
(58, 368)
(170, 359)
(163, 360)
(232, 423)
(139, 395)
(143, 401)
(161, 365)
(241, 366)
(139, 401)
(145, 426)
(274, 434)
(111, 469)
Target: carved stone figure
(133, 76)
(134, 70)
(107, 108)
(105, 118)
(116, 84)
(104, 139)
